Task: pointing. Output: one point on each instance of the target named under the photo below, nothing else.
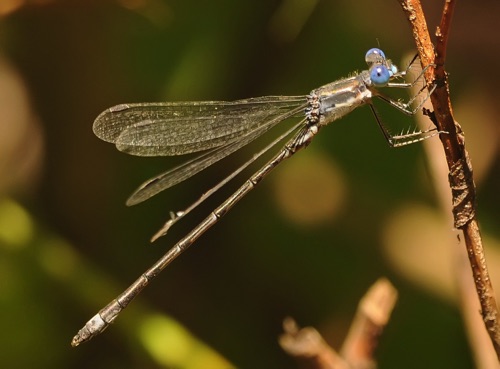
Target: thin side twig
(308, 348)
(460, 167)
(374, 310)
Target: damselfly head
(381, 69)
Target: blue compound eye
(379, 75)
(374, 55)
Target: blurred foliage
(307, 243)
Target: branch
(308, 347)
(459, 165)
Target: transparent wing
(188, 169)
(165, 129)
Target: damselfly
(219, 128)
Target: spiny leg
(405, 72)
(405, 107)
(403, 139)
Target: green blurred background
(307, 243)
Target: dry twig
(308, 347)
(460, 168)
